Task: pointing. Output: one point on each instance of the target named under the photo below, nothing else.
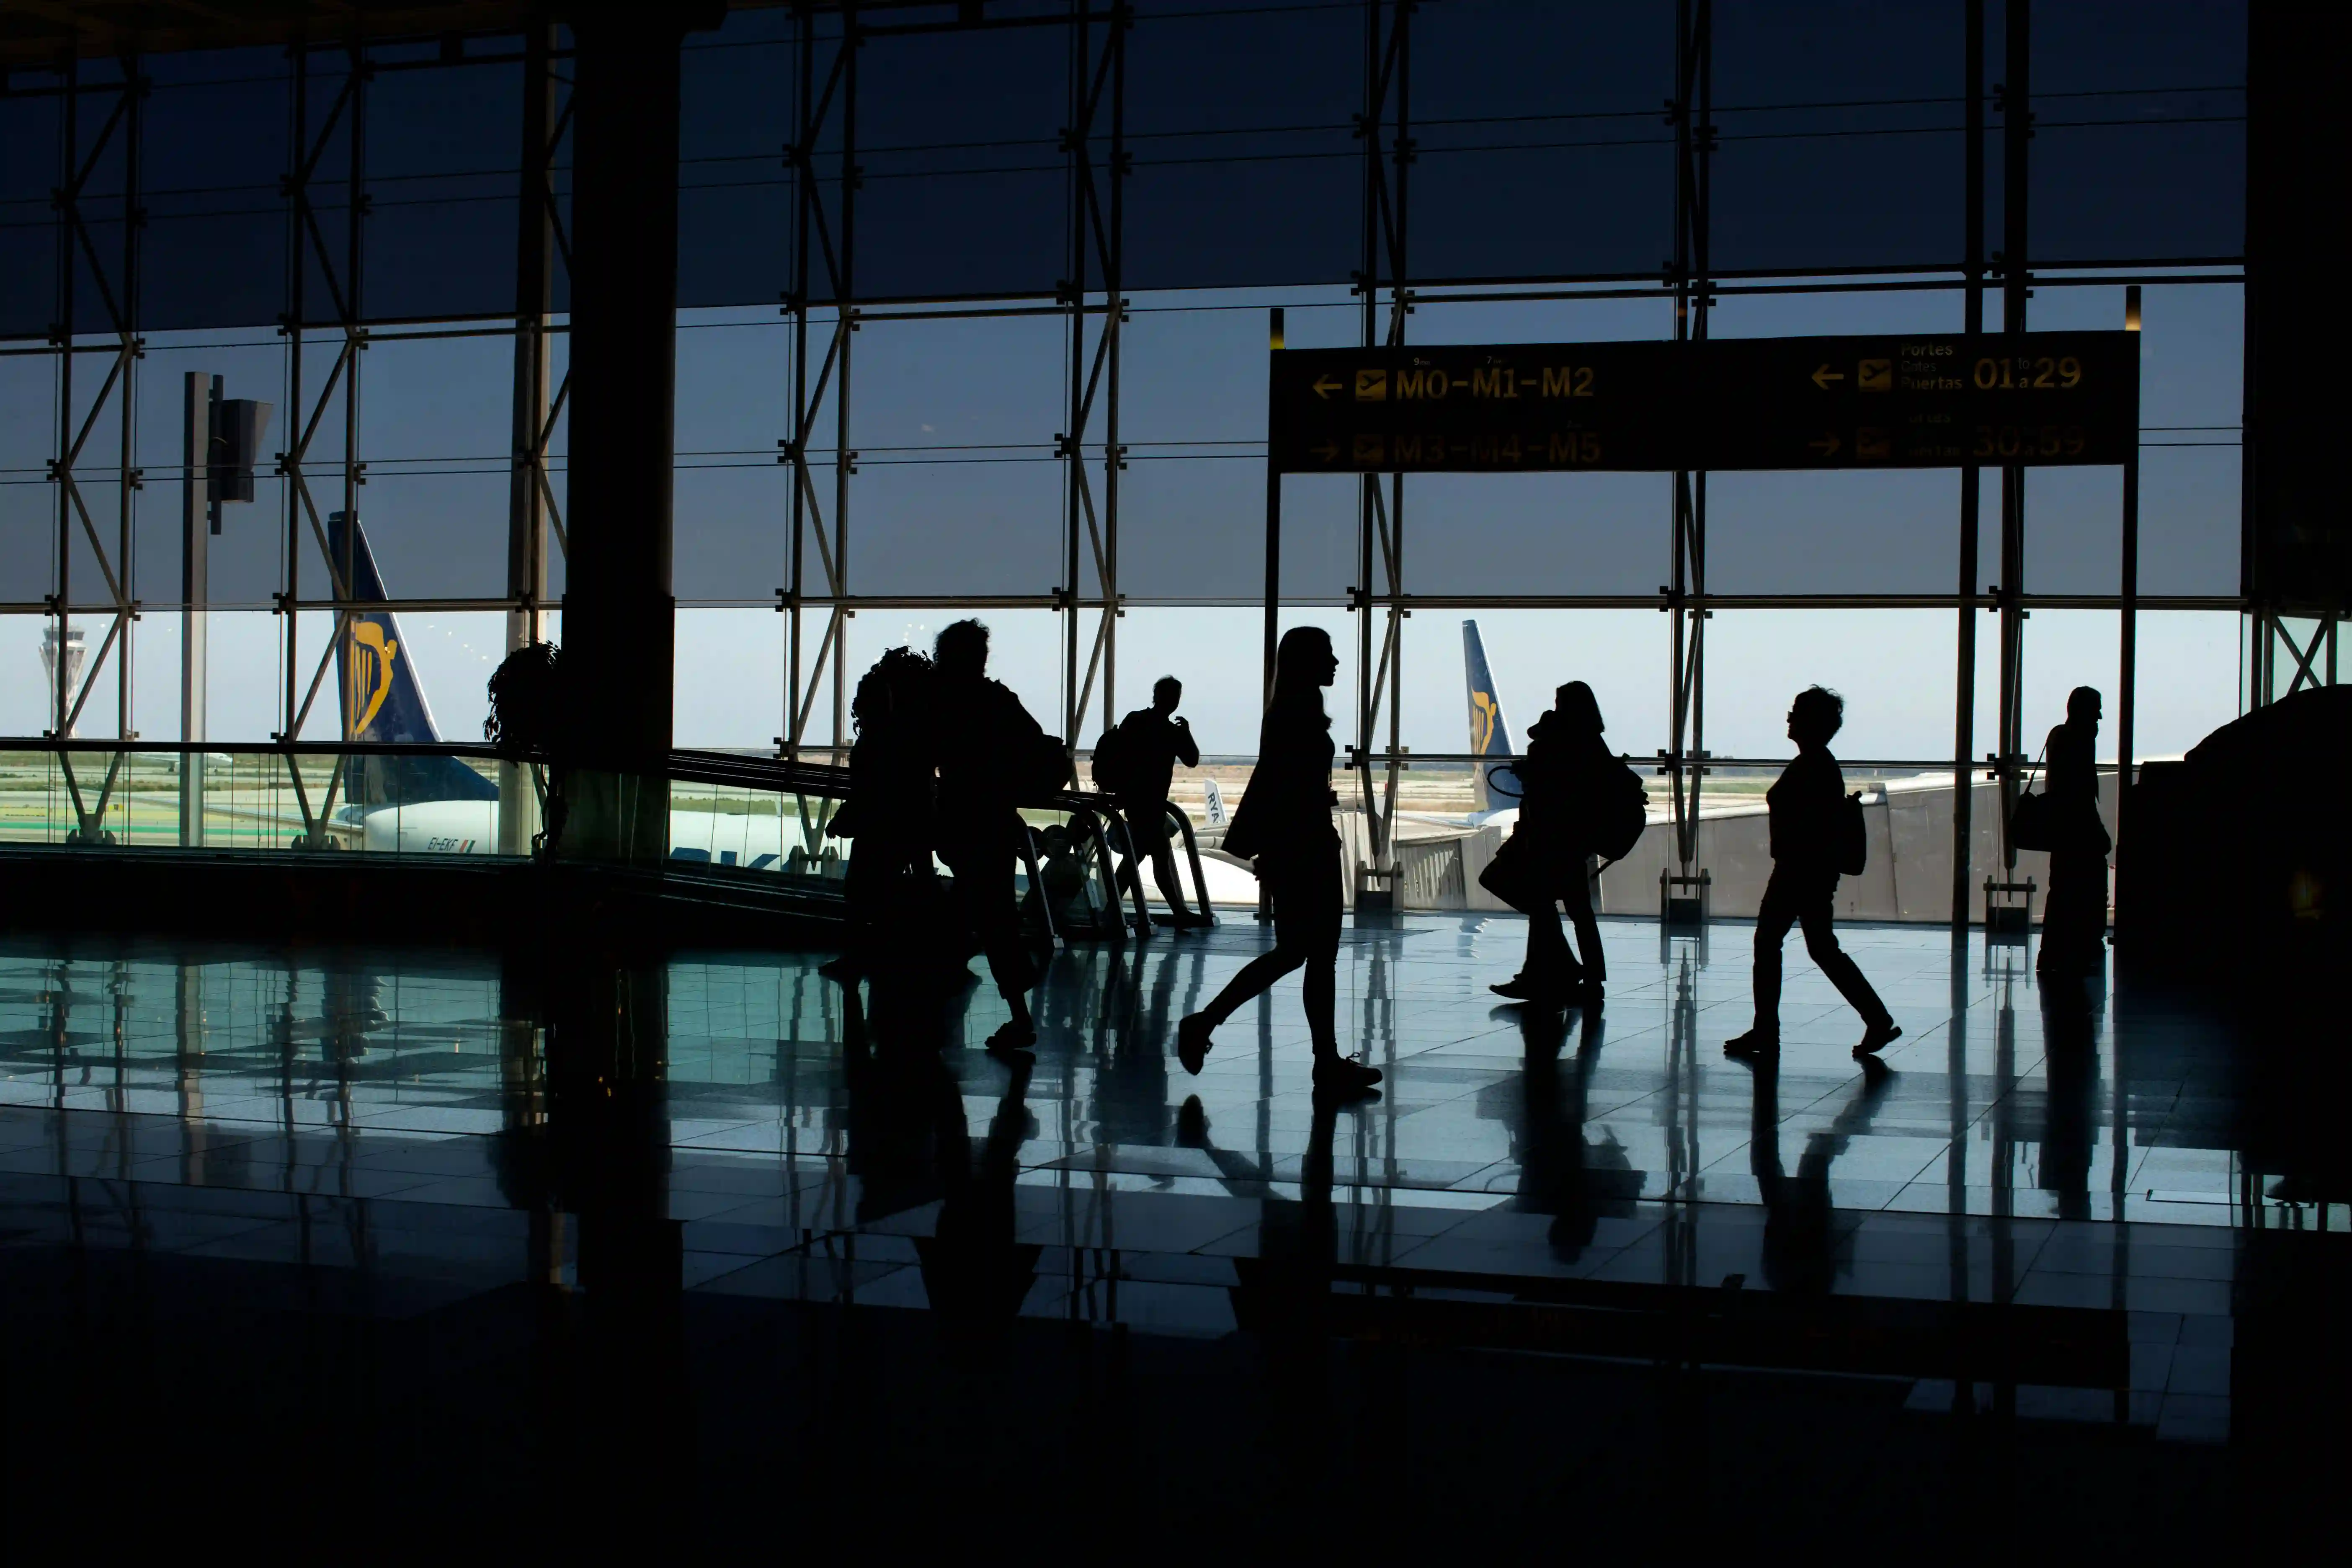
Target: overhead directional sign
(1920, 401)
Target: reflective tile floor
(389, 1110)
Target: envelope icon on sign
(1877, 376)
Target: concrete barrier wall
(1909, 876)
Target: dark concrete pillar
(618, 636)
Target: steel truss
(1098, 113)
(1684, 760)
(1385, 128)
(2309, 642)
(118, 292)
(818, 238)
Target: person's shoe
(1015, 1037)
(1533, 988)
(1753, 1046)
(1590, 996)
(1192, 1041)
(1193, 922)
(1345, 1077)
(1877, 1038)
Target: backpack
(1042, 765)
(1110, 761)
(1853, 837)
(1621, 809)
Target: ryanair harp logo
(370, 674)
(1482, 721)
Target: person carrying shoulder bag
(1566, 775)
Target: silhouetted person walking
(888, 815)
(982, 736)
(1146, 748)
(1562, 777)
(1807, 804)
(1284, 825)
(2074, 917)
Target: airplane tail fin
(382, 700)
(1490, 733)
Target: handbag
(1854, 837)
(1515, 873)
(2029, 819)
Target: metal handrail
(1193, 853)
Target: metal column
(198, 511)
(1379, 524)
(2127, 631)
(72, 679)
(2015, 100)
(814, 239)
(530, 497)
(1964, 674)
(1683, 894)
(1097, 85)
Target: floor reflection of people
(2070, 1037)
(975, 1270)
(910, 1144)
(1130, 1103)
(1301, 1234)
(1800, 1224)
(905, 1115)
(1563, 1172)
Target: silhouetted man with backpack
(1136, 763)
(991, 753)
(1817, 836)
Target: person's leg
(1322, 909)
(1255, 977)
(1549, 966)
(1148, 823)
(1579, 899)
(983, 880)
(2074, 917)
(1773, 919)
(1821, 942)
(1171, 887)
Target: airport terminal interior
(568, 1010)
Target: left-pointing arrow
(1325, 386)
(1824, 376)
(1326, 451)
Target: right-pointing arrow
(1326, 451)
(1827, 446)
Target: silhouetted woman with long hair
(1561, 776)
(1284, 825)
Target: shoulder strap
(2038, 768)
